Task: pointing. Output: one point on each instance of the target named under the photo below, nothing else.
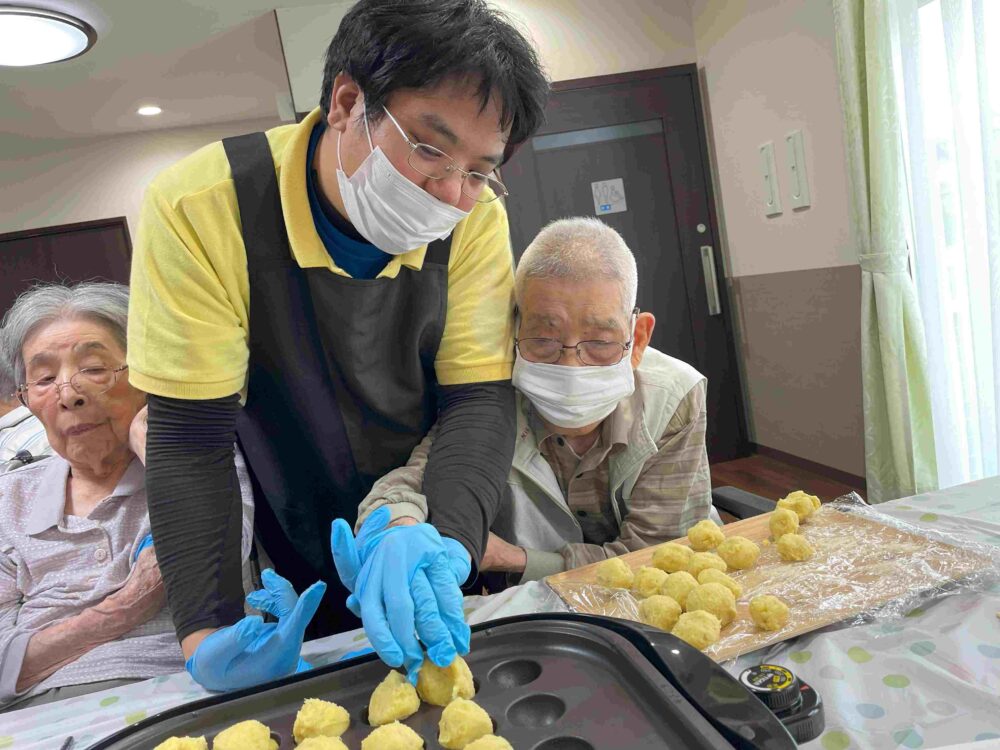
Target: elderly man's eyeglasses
(595, 353)
(436, 164)
(89, 381)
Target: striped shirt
(673, 492)
(20, 430)
(53, 566)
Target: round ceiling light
(149, 110)
(32, 36)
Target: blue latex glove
(252, 651)
(147, 541)
(405, 583)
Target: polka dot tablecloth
(90, 718)
(928, 679)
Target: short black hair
(387, 45)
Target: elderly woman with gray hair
(82, 604)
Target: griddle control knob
(777, 687)
(794, 702)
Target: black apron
(341, 383)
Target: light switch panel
(799, 188)
(772, 194)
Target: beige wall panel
(802, 355)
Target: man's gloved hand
(252, 651)
(405, 583)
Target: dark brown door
(90, 251)
(631, 149)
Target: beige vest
(535, 512)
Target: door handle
(711, 283)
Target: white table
(931, 679)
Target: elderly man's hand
(503, 556)
(137, 434)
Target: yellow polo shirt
(189, 314)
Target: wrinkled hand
(252, 651)
(406, 585)
(137, 434)
(503, 556)
(138, 601)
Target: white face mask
(573, 397)
(387, 209)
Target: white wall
(575, 38)
(770, 68)
(46, 183)
(580, 38)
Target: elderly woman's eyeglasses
(89, 381)
(436, 164)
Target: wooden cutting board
(860, 565)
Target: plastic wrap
(867, 567)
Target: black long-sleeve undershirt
(195, 507)
(469, 461)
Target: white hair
(105, 303)
(581, 248)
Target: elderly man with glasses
(610, 451)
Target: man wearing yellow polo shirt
(323, 293)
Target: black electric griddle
(550, 682)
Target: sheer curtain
(899, 429)
(950, 71)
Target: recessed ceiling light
(149, 110)
(31, 36)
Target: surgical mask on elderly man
(573, 397)
(390, 211)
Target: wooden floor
(772, 478)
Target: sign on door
(609, 196)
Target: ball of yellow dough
(394, 699)
(705, 535)
(804, 505)
(768, 612)
(714, 598)
(783, 521)
(321, 742)
(659, 611)
(698, 628)
(648, 581)
(678, 585)
(318, 718)
(393, 736)
(489, 742)
(614, 573)
(672, 557)
(711, 575)
(439, 686)
(183, 743)
(794, 548)
(703, 560)
(463, 722)
(247, 735)
(738, 552)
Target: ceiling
(202, 61)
